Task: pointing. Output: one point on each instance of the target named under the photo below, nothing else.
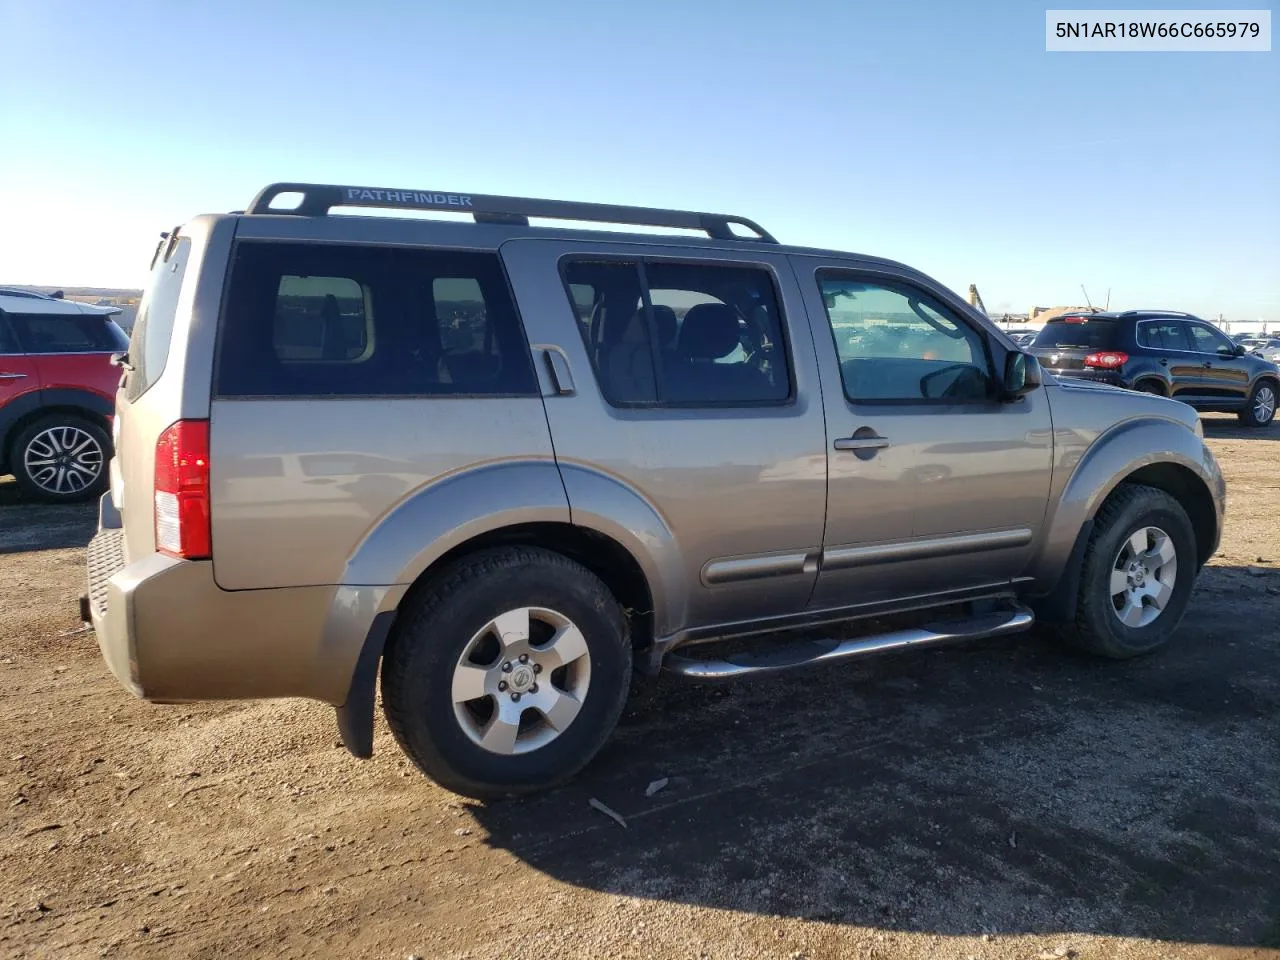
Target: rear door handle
(13, 376)
(1164, 363)
(862, 443)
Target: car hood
(1122, 403)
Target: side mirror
(1240, 350)
(1021, 375)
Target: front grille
(104, 557)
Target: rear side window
(1163, 335)
(65, 333)
(1083, 333)
(680, 334)
(8, 343)
(324, 320)
(153, 329)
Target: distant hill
(80, 293)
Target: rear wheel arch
(1152, 384)
(600, 554)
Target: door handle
(13, 376)
(558, 368)
(1163, 362)
(862, 443)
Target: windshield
(1090, 334)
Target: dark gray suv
(502, 465)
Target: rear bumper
(169, 633)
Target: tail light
(182, 490)
(1107, 360)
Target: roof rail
(1157, 313)
(319, 199)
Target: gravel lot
(1007, 799)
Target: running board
(808, 652)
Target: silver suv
(502, 464)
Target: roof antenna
(1108, 306)
(1086, 298)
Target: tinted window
(153, 329)
(66, 333)
(682, 334)
(1083, 333)
(8, 343)
(330, 320)
(1207, 340)
(1163, 335)
(896, 343)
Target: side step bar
(805, 653)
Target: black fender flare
(31, 405)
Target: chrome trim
(737, 569)
(13, 376)
(807, 653)
(844, 558)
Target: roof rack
(1156, 313)
(319, 199)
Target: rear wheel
(1261, 408)
(1150, 386)
(61, 459)
(508, 674)
(1138, 572)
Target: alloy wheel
(63, 460)
(521, 680)
(1143, 576)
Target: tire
(1260, 411)
(61, 458)
(1099, 627)
(454, 619)
(1150, 386)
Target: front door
(935, 485)
(677, 384)
(1223, 374)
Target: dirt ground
(1003, 800)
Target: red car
(57, 394)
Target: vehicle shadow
(1229, 427)
(28, 525)
(1009, 786)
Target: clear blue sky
(938, 133)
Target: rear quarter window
(335, 320)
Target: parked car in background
(1172, 354)
(505, 465)
(57, 394)
(1268, 348)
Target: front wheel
(1260, 411)
(1138, 572)
(508, 674)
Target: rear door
(18, 377)
(696, 390)
(1170, 345)
(1223, 375)
(73, 350)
